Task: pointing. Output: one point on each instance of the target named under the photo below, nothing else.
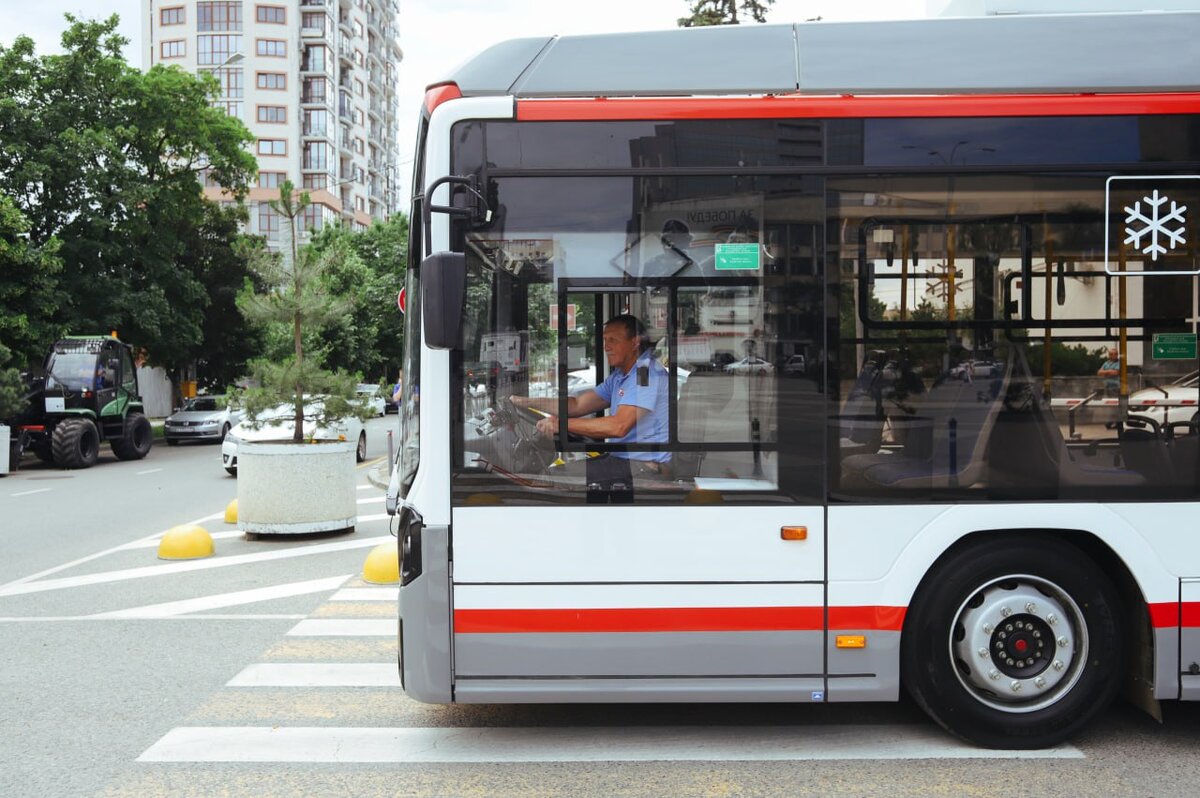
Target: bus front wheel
(1013, 643)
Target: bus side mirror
(443, 293)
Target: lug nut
(1058, 665)
(983, 652)
(988, 629)
(1063, 642)
(994, 675)
(1016, 687)
(1040, 682)
(1030, 607)
(1005, 611)
(1051, 619)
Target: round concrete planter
(289, 488)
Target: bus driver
(636, 390)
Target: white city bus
(882, 265)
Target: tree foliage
(723, 12)
(28, 274)
(104, 160)
(368, 339)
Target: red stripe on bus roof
(676, 619)
(815, 107)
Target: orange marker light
(794, 533)
(851, 641)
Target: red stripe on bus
(814, 107)
(677, 619)
(881, 619)
(1168, 615)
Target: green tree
(28, 274)
(297, 299)
(369, 339)
(12, 391)
(723, 12)
(106, 160)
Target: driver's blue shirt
(622, 388)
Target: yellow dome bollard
(231, 512)
(383, 565)
(186, 542)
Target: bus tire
(1013, 642)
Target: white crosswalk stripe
(367, 594)
(607, 744)
(344, 627)
(317, 674)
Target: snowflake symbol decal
(1154, 224)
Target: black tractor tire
(1014, 642)
(137, 440)
(360, 451)
(75, 443)
(44, 452)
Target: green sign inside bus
(1174, 346)
(738, 256)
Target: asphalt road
(270, 670)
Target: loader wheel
(75, 443)
(135, 443)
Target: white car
(201, 418)
(750, 365)
(369, 396)
(1170, 404)
(347, 429)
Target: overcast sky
(436, 35)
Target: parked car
(1177, 402)
(202, 418)
(347, 429)
(795, 365)
(371, 396)
(750, 365)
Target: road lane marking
(372, 500)
(365, 487)
(56, 569)
(319, 674)
(151, 471)
(367, 594)
(157, 539)
(214, 617)
(583, 744)
(344, 627)
(222, 600)
(190, 565)
(31, 492)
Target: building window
(314, 217)
(358, 87)
(232, 82)
(230, 107)
(271, 179)
(314, 90)
(360, 204)
(359, 146)
(275, 15)
(272, 147)
(272, 114)
(271, 47)
(220, 15)
(358, 57)
(357, 116)
(215, 50)
(173, 49)
(317, 156)
(206, 177)
(316, 59)
(316, 122)
(271, 80)
(315, 181)
(172, 16)
(268, 221)
(313, 21)
(358, 28)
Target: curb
(378, 477)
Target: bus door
(704, 574)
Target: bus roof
(1060, 53)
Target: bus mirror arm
(443, 294)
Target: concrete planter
(296, 488)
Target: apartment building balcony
(311, 4)
(316, 100)
(324, 32)
(346, 54)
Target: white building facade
(314, 81)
